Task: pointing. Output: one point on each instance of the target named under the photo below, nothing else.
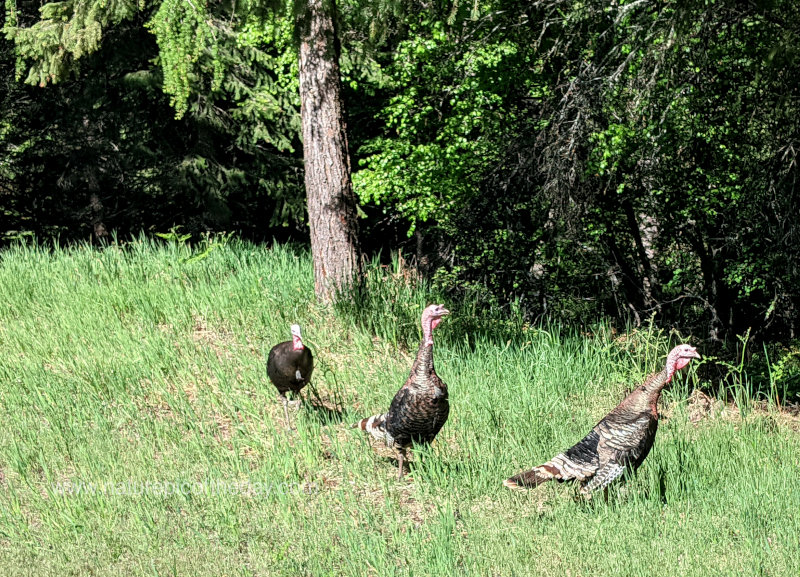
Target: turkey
(621, 440)
(420, 407)
(289, 367)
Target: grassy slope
(127, 366)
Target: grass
(127, 372)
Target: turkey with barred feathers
(289, 367)
(420, 408)
(621, 440)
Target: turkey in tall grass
(621, 440)
(420, 408)
(289, 367)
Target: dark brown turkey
(289, 367)
(420, 407)
(621, 440)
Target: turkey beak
(694, 354)
(443, 311)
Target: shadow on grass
(324, 412)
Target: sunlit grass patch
(141, 436)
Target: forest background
(567, 161)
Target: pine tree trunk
(329, 190)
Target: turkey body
(620, 441)
(420, 408)
(289, 369)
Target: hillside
(141, 437)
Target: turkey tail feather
(533, 478)
(374, 425)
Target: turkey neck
(645, 397)
(423, 368)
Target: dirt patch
(701, 407)
(537, 502)
(219, 340)
(223, 423)
(371, 497)
(158, 408)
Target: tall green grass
(139, 367)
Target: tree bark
(329, 190)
